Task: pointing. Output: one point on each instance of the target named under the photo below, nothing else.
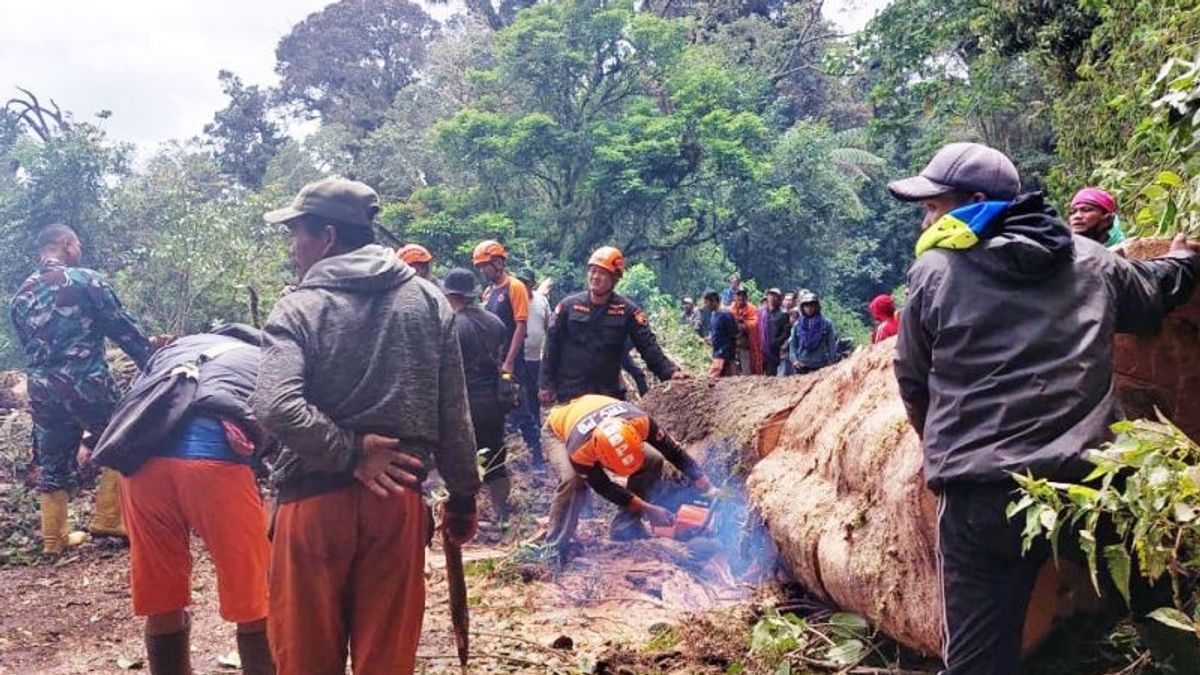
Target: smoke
(735, 547)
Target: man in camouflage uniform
(61, 314)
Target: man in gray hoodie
(1004, 363)
(362, 380)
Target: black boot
(255, 651)
(169, 654)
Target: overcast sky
(154, 63)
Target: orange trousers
(169, 498)
(347, 571)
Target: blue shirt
(203, 438)
(724, 335)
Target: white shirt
(535, 328)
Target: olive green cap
(348, 202)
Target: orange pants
(347, 570)
(169, 498)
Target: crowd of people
(368, 375)
(784, 334)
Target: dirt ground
(645, 607)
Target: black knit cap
(459, 281)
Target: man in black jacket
(777, 332)
(587, 337)
(1004, 362)
(484, 341)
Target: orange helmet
(618, 446)
(414, 253)
(609, 258)
(485, 251)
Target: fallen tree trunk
(1162, 371)
(835, 471)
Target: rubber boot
(170, 654)
(499, 490)
(255, 652)
(56, 536)
(106, 520)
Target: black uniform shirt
(585, 343)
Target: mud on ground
(641, 607)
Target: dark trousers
(528, 417)
(639, 376)
(770, 364)
(488, 419)
(58, 426)
(987, 584)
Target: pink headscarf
(1095, 197)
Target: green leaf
(1087, 542)
(846, 652)
(1154, 191)
(1169, 616)
(1082, 495)
(1018, 506)
(850, 621)
(1119, 566)
(1169, 178)
(1168, 217)
(1184, 512)
(1048, 519)
(784, 668)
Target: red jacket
(884, 311)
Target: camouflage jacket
(62, 315)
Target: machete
(460, 620)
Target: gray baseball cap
(344, 201)
(962, 166)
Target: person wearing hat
(505, 296)
(1093, 214)
(361, 377)
(601, 434)
(814, 341)
(508, 298)
(418, 257)
(483, 339)
(1004, 363)
(588, 333)
(883, 310)
(687, 312)
(529, 415)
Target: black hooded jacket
(1004, 358)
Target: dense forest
(701, 137)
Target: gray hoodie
(1004, 358)
(363, 346)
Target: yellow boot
(55, 534)
(106, 520)
(54, 522)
